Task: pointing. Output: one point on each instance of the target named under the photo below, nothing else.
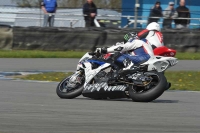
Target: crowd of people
(180, 15)
(49, 8)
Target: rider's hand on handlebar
(101, 50)
(98, 50)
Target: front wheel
(71, 86)
(150, 91)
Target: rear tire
(75, 92)
(151, 94)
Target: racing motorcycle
(100, 78)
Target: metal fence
(25, 17)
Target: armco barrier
(56, 38)
(182, 40)
(6, 37)
(88, 38)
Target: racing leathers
(152, 37)
(135, 50)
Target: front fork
(76, 78)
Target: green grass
(181, 80)
(71, 54)
(40, 54)
(184, 80)
(188, 56)
(49, 76)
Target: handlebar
(96, 53)
(92, 53)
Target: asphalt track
(34, 107)
(64, 64)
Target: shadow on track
(166, 101)
(128, 100)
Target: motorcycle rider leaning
(132, 49)
(151, 35)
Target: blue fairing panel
(97, 62)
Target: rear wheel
(151, 90)
(71, 86)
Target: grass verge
(188, 56)
(71, 54)
(181, 80)
(184, 80)
(40, 54)
(49, 76)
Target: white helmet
(153, 26)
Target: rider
(132, 49)
(152, 35)
(139, 44)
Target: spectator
(156, 11)
(183, 12)
(49, 8)
(169, 14)
(90, 12)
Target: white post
(136, 12)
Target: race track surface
(31, 107)
(64, 64)
(34, 107)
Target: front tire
(64, 91)
(158, 86)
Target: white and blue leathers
(136, 50)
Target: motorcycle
(100, 78)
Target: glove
(101, 50)
(119, 43)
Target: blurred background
(111, 13)
(24, 30)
